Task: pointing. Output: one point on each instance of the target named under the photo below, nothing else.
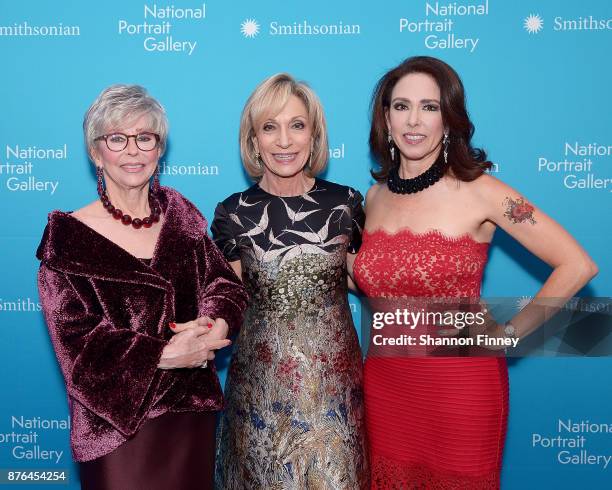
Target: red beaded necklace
(126, 219)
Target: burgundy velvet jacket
(108, 313)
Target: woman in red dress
(441, 422)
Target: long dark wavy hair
(465, 162)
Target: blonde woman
(294, 416)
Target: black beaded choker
(409, 186)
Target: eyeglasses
(119, 141)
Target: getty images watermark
(511, 326)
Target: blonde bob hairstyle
(267, 101)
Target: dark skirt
(173, 451)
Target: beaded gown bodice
(294, 416)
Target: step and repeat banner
(538, 78)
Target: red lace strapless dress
(433, 423)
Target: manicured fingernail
(172, 325)
(209, 325)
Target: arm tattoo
(519, 210)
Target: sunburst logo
(249, 28)
(533, 24)
(523, 301)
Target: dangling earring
(391, 146)
(309, 162)
(445, 143)
(155, 186)
(100, 175)
(258, 160)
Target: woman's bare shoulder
(374, 190)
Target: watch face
(509, 330)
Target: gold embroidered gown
(294, 417)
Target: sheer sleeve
(222, 229)
(357, 220)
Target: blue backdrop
(538, 78)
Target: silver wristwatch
(509, 330)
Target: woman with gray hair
(294, 414)
(136, 299)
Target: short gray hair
(120, 105)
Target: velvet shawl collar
(69, 245)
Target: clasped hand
(194, 343)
